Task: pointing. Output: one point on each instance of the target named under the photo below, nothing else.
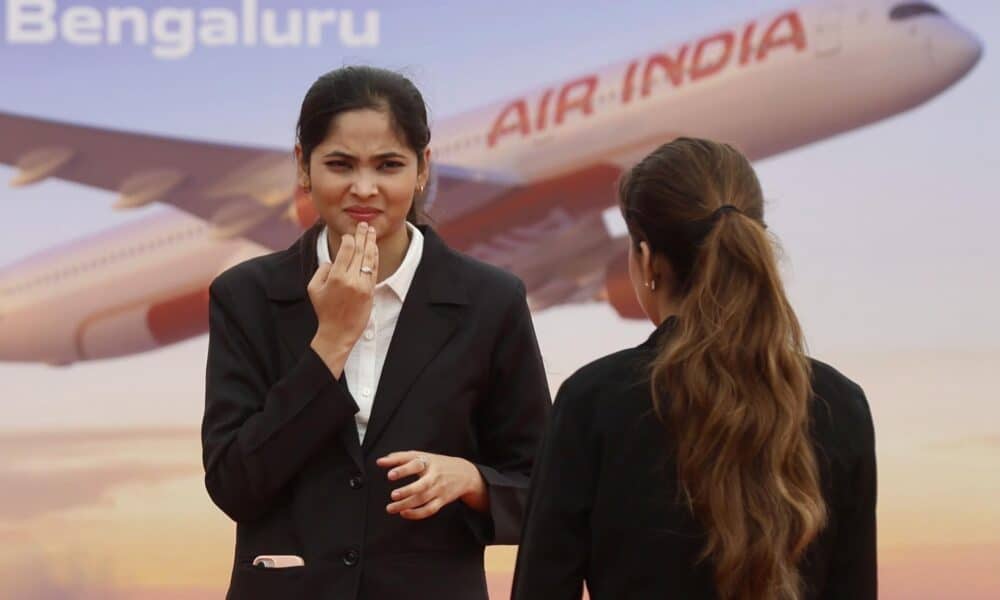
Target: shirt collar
(399, 282)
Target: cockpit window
(912, 9)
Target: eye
(338, 164)
(391, 165)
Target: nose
(364, 186)
(956, 50)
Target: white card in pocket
(278, 561)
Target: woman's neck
(665, 306)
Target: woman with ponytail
(716, 460)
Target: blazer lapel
(429, 317)
(296, 318)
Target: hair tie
(725, 208)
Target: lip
(359, 213)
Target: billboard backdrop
(882, 196)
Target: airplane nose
(957, 51)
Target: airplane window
(912, 9)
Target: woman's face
(363, 171)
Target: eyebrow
(380, 156)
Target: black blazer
(604, 507)
(463, 376)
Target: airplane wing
(244, 191)
(220, 183)
(553, 233)
(563, 237)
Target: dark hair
(734, 367)
(359, 87)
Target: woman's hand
(442, 480)
(341, 294)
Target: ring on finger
(367, 270)
(423, 463)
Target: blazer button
(351, 557)
(357, 482)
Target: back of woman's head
(731, 382)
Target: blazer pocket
(261, 583)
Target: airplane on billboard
(526, 184)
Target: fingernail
(395, 495)
(392, 474)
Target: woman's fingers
(428, 510)
(414, 500)
(319, 277)
(359, 248)
(437, 486)
(369, 259)
(345, 254)
(417, 487)
(394, 459)
(415, 466)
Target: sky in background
(889, 235)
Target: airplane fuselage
(767, 85)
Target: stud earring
(652, 285)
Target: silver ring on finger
(367, 270)
(423, 463)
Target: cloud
(36, 578)
(36, 492)
(17, 444)
(31, 489)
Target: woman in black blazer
(715, 460)
(374, 399)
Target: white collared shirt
(364, 364)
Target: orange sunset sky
(102, 512)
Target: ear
(646, 262)
(425, 173)
(302, 169)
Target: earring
(651, 285)
(420, 189)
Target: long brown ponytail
(732, 381)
